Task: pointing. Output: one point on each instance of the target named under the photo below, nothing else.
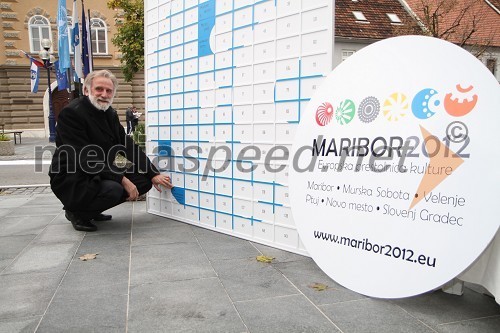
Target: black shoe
(102, 217)
(79, 223)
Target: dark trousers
(112, 194)
(130, 126)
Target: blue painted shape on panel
(206, 22)
(164, 148)
(179, 194)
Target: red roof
(377, 25)
(485, 13)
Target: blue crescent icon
(421, 106)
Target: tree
(457, 21)
(130, 36)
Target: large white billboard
(400, 192)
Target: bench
(17, 134)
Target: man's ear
(85, 91)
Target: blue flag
(34, 77)
(62, 78)
(62, 28)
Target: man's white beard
(95, 102)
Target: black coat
(129, 115)
(87, 140)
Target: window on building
(347, 53)
(394, 18)
(492, 65)
(39, 28)
(359, 16)
(99, 36)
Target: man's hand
(161, 180)
(131, 189)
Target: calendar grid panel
(225, 79)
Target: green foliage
(139, 135)
(4, 137)
(130, 36)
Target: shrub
(4, 137)
(139, 135)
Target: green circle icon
(345, 112)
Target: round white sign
(393, 187)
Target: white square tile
(288, 48)
(224, 221)
(264, 11)
(287, 7)
(264, 133)
(288, 26)
(287, 90)
(242, 114)
(243, 36)
(263, 93)
(264, 113)
(285, 133)
(242, 95)
(264, 32)
(243, 133)
(243, 75)
(190, 50)
(264, 52)
(316, 42)
(243, 17)
(287, 68)
(264, 72)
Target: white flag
(34, 77)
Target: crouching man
(88, 137)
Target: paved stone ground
(28, 149)
(29, 190)
(153, 274)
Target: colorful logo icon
(369, 109)
(345, 112)
(324, 114)
(421, 104)
(425, 104)
(395, 107)
(456, 108)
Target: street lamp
(45, 56)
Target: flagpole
(45, 56)
(85, 44)
(69, 77)
(91, 55)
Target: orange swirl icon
(456, 108)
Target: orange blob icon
(456, 108)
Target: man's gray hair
(87, 84)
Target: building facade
(24, 24)
(358, 23)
